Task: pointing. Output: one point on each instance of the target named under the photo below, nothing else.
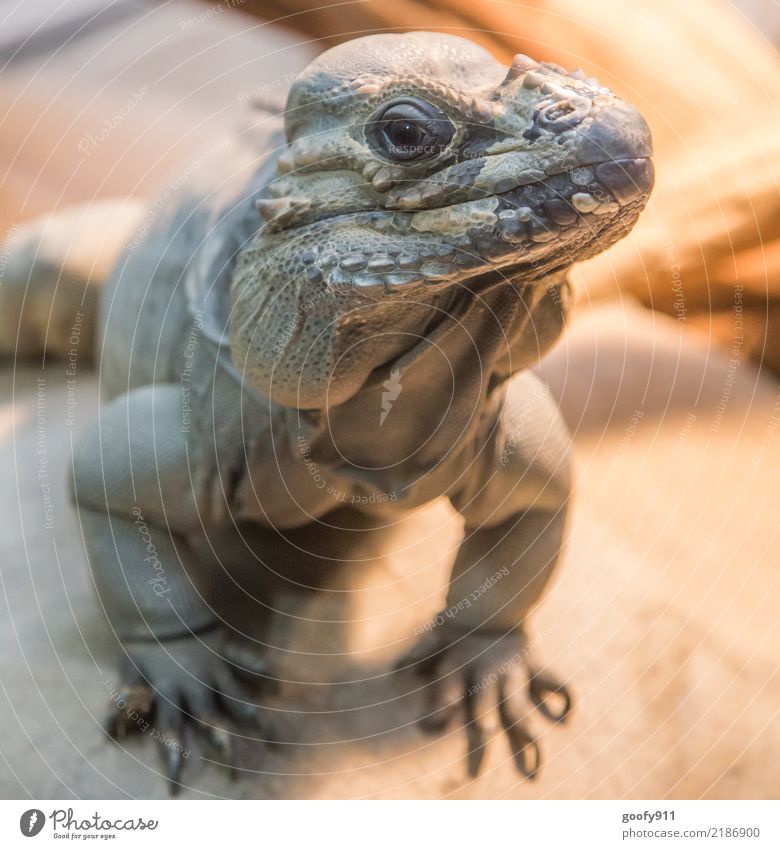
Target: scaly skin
(364, 338)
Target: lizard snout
(616, 132)
(626, 179)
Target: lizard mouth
(563, 219)
(528, 229)
(545, 211)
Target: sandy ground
(663, 615)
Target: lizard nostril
(563, 114)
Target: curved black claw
(545, 691)
(173, 760)
(476, 740)
(162, 683)
(168, 730)
(465, 669)
(526, 754)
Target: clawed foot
(467, 672)
(164, 685)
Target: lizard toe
(169, 731)
(550, 696)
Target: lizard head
(417, 171)
(418, 160)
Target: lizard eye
(409, 130)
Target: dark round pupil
(404, 134)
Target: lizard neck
(419, 406)
(313, 347)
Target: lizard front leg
(514, 506)
(133, 487)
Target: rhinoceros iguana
(342, 305)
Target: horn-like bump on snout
(521, 64)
